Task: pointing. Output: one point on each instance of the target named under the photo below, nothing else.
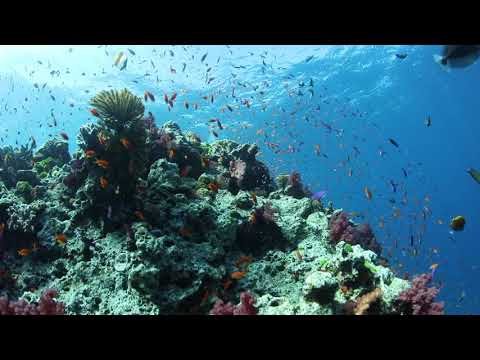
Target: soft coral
(245, 307)
(341, 229)
(419, 298)
(46, 305)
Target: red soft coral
(245, 307)
(342, 230)
(46, 305)
(419, 298)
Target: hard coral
(342, 230)
(419, 298)
(245, 307)
(264, 215)
(237, 169)
(46, 305)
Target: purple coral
(46, 305)
(339, 225)
(245, 307)
(419, 298)
(342, 230)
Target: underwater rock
(56, 150)
(28, 176)
(320, 286)
(255, 176)
(24, 189)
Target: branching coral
(419, 298)
(45, 306)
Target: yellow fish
(119, 57)
(457, 223)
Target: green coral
(369, 265)
(348, 248)
(45, 166)
(24, 189)
(118, 109)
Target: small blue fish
(319, 195)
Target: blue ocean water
(327, 112)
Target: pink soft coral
(342, 230)
(245, 307)
(419, 298)
(46, 305)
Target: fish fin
(438, 59)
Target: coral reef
(146, 219)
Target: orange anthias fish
(243, 260)
(101, 138)
(185, 231)
(171, 154)
(205, 297)
(368, 193)
(139, 215)
(24, 252)
(94, 112)
(103, 182)
(433, 266)
(148, 95)
(102, 163)
(126, 143)
(213, 187)
(227, 284)
(237, 275)
(89, 153)
(205, 162)
(61, 238)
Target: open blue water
(335, 133)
